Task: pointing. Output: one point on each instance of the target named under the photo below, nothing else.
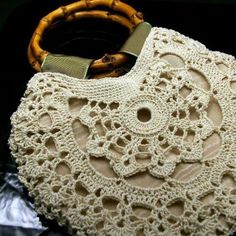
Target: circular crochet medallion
(145, 115)
(149, 153)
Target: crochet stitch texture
(152, 152)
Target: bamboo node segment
(139, 15)
(46, 20)
(114, 3)
(88, 4)
(106, 58)
(64, 11)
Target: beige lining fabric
(148, 153)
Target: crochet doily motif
(152, 152)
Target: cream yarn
(152, 152)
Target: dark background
(210, 22)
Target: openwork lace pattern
(152, 152)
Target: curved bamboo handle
(36, 54)
(34, 44)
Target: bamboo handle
(105, 15)
(36, 54)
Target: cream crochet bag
(152, 152)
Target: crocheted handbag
(151, 152)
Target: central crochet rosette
(163, 126)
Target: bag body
(151, 152)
